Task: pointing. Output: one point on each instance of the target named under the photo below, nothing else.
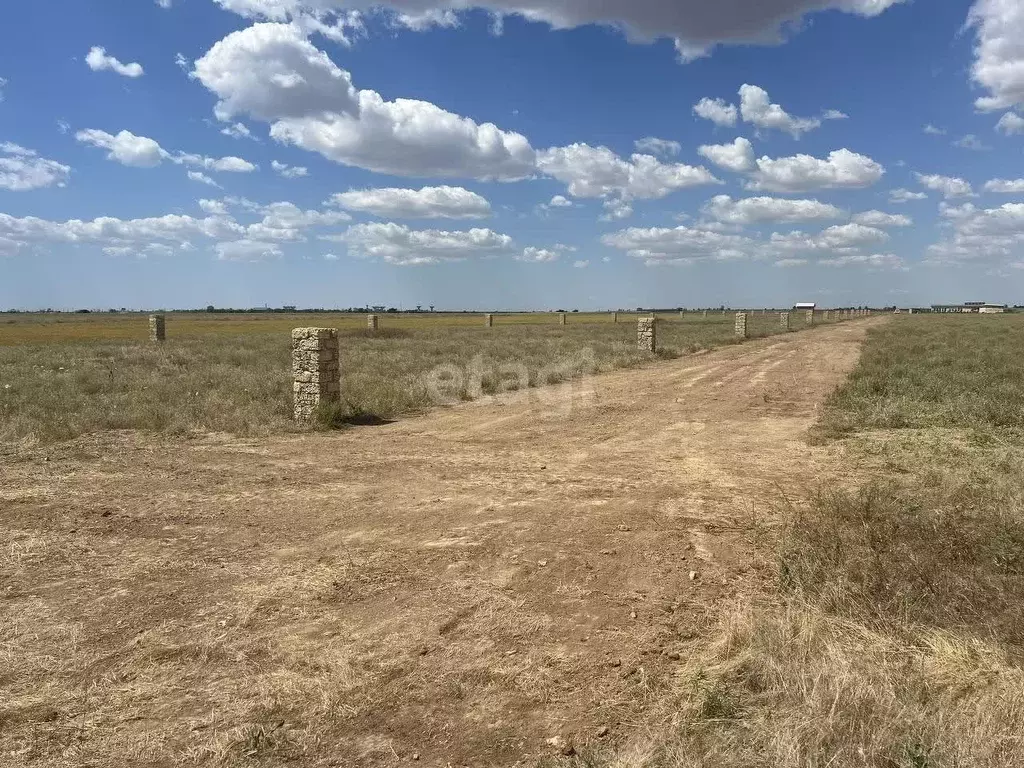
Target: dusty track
(461, 586)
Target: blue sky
(490, 154)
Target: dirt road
(457, 588)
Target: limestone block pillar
(316, 370)
(646, 334)
(741, 325)
(157, 328)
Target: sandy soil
(453, 589)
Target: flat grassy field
(65, 375)
(897, 638)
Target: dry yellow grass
(64, 375)
(796, 687)
(46, 328)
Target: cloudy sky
(511, 153)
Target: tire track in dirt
(463, 585)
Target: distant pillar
(561, 318)
(157, 328)
(784, 320)
(489, 320)
(810, 317)
(741, 325)
(372, 322)
(910, 311)
(704, 314)
(615, 317)
(646, 334)
(316, 370)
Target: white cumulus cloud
(238, 131)
(271, 72)
(758, 210)
(616, 209)
(905, 196)
(680, 245)
(949, 186)
(247, 250)
(991, 234)
(970, 141)
(126, 148)
(1005, 186)
(537, 255)
(738, 156)
(23, 169)
(398, 244)
(842, 237)
(802, 173)
(280, 222)
(658, 147)
(998, 52)
(880, 219)
(202, 178)
(143, 152)
(98, 60)
(289, 171)
(758, 110)
(426, 203)
(1011, 123)
(596, 172)
(718, 111)
(872, 261)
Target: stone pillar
(810, 317)
(784, 320)
(828, 315)
(157, 328)
(316, 370)
(489, 321)
(646, 334)
(682, 314)
(704, 314)
(561, 318)
(615, 317)
(910, 311)
(741, 325)
(372, 322)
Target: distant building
(805, 305)
(970, 307)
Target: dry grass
(231, 373)
(795, 687)
(938, 371)
(895, 635)
(72, 328)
